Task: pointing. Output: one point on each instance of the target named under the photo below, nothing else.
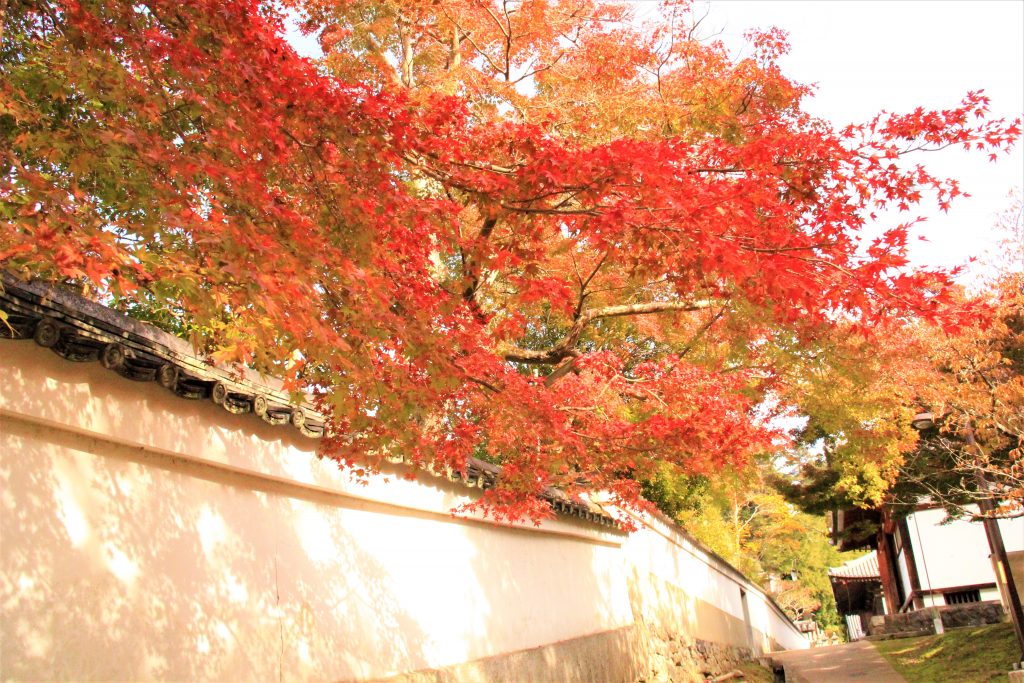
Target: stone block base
(608, 657)
(634, 653)
(953, 616)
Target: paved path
(856, 662)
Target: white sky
(869, 55)
(866, 56)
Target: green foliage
(755, 673)
(674, 493)
(147, 308)
(858, 398)
(752, 526)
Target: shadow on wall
(114, 569)
(672, 591)
(115, 560)
(116, 565)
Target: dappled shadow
(121, 561)
(120, 565)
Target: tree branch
(566, 347)
(472, 267)
(702, 331)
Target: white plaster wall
(904, 571)
(989, 594)
(682, 586)
(1013, 534)
(144, 536)
(956, 554)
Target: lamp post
(925, 421)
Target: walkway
(858, 661)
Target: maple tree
(859, 396)
(972, 448)
(547, 234)
(922, 413)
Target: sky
(865, 56)
(868, 55)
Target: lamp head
(923, 421)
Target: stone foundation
(636, 653)
(953, 616)
(609, 657)
(674, 657)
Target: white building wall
(957, 554)
(903, 558)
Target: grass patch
(966, 655)
(755, 673)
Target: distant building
(922, 561)
(857, 586)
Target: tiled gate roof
(861, 569)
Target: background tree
(474, 228)
(859, 449)
(859, 395)
(978, 407)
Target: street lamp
(925, 421)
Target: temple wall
(950, 555)
(143, 536)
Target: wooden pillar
(886, 571)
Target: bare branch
(703, 330)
